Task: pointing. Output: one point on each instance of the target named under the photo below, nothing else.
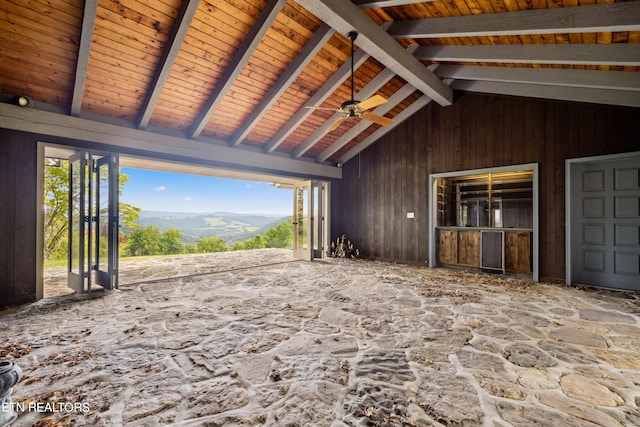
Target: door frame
(61, 149)
(40, 220)
(570, 164)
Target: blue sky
(174, 192)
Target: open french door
(302, 221)
(107, 220)
(93, 221)
(310, 219)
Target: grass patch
(55, 263)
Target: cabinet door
(517, 255)
(447, 247)
(469, 248)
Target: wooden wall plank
(537, 131)
(18, 182)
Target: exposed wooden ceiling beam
(368, 4)
(330, 86)
(178, 33)
(140, 142)
(240, 59)
(578, 19)
(319, 39)
(86, 35)
(369, 90)
(563, 93)
(344, 17)
(397, 120)
(616, 80)
(349, 135)
(623, 54)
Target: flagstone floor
(254, 338)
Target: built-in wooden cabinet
(501, 250)
(469, 248)
(460, 247)
(485, 220)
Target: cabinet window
(493, 200)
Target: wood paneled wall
(18, 211)
(390, 178)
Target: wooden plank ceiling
(239, 73)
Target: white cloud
(187, 199)
(161, 188)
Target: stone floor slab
(254, 338)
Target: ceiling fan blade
(374, 101)
(337, 123)
(381, 120)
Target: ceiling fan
(352, 109)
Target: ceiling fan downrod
(352, 36)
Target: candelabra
(343, 248)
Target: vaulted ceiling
(229, 80)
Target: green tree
(56, 212)
(211, 244)
(170, 242)
(190, 248)
(144, 241)
(280, 236)
(129, 214)
(255, 243)
(56, 201)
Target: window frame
(433, 207)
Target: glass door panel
(93, 221)
(106, 221)
(77, 215)
(318, 220)
(302, 221)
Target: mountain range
(230, 227)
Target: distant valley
(229, 226)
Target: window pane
(499, 200)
